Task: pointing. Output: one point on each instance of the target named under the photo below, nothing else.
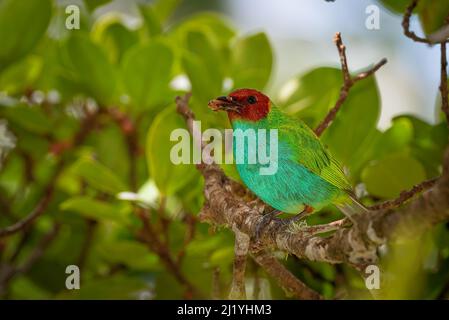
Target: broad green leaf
(397, 6)
(205, 84)
(16, 78)
(210, 23)
(166, 174)
(110, 32)
(22, 24)
(353, 132)
(432, 14)
(311, 95)
(30, 118)
(93, 70)
(146, 72)
(130, 253)
(203, 65)
(398, 137)
(389, 176)
(152, 24)
(428, 143)
(111, 151)
(98, 176)
(252, 61)
(165, 8)
(96, 209)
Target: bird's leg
(265, 221)
(298, 217)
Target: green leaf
(30, 118)
(210, 23)
(146, 72)
(432, 14)
(152, 24)
(428, 143)
(22, 24)
(96, 209)
(386, 178)
(16, 78)
(165, 174)
(130, 253)
(92, 68)
(93, 4)
(203, 65)
(165, 8)
(116, 39)
(397, 6)
(398, 137)
(98, 176)
(252, 60)
(311, 95)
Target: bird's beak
(225, 103)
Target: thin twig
(348, 83)
(86, 127)
(443, 82)
(406, 24)
(149, 237)
(405, 195)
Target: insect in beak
(226, 104)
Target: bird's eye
(252, 100)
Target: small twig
(406, 24)
(443, 82)
(86, 127)
(33, 215)
(348, 83)
(84, 252)
(8, 272)
(241, 246)
(39, 250)
(286, 280)
(405, 195)
(149, 237)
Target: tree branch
(286, 280)
(348, 83)
(86, 127)
(241, 247)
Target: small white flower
(7, 141)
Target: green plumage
(307, 173)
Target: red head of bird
(245, 104)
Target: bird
(307, 178)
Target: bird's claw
(265, 222)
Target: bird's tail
(352, 207)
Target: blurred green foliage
(51, 78)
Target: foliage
(52, 80)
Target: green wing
(311, 153)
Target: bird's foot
(299, 217)
(263, 224)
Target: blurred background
(91, 206)
(301, 33)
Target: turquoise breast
(291, 187)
